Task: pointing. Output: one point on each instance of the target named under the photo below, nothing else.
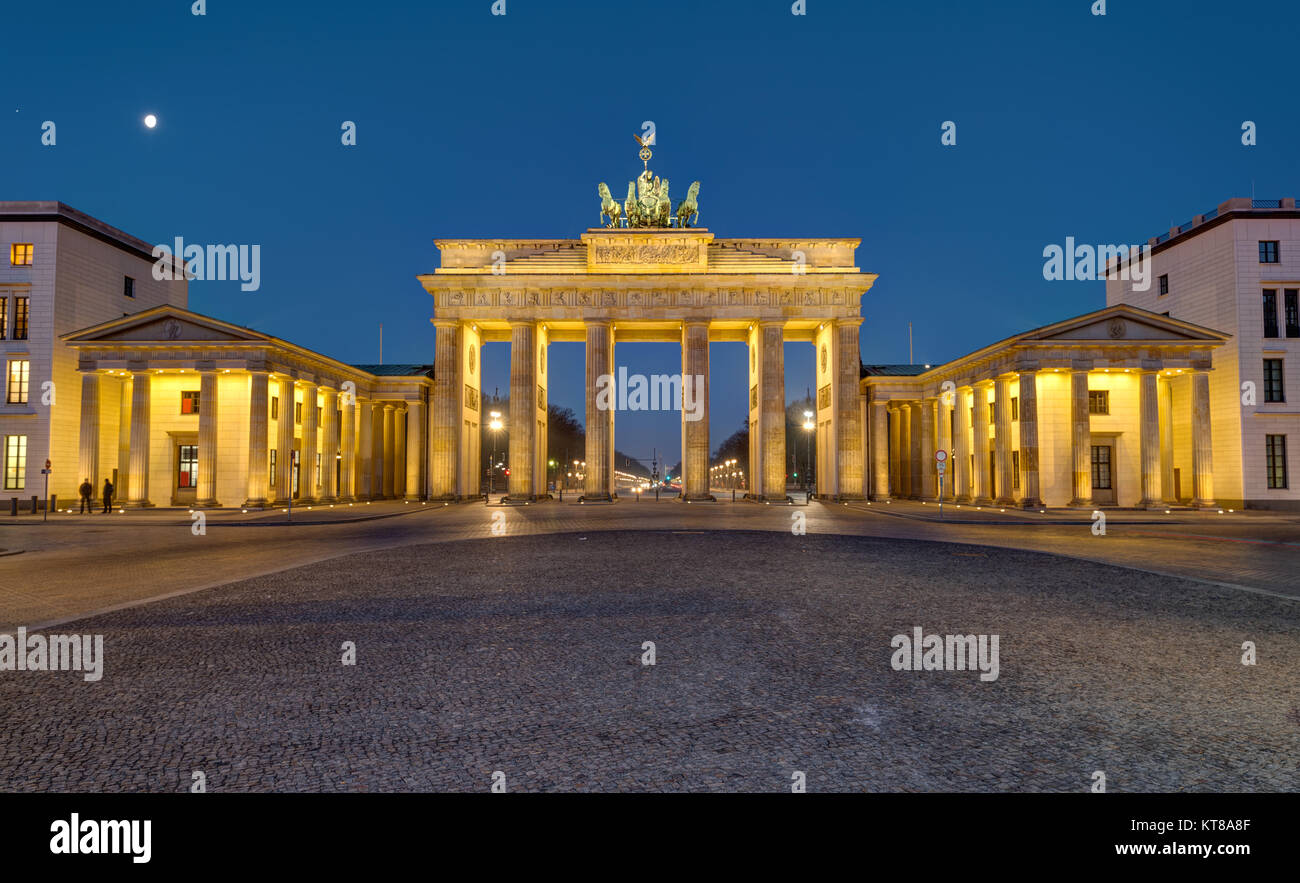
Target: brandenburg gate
(645, 278)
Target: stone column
(376, 463)
(445, 427)
(961, 454)
(399, 451)
(258, 455)
(980, 428)
(388, 456)
(1031, 496)
(847, 392)
(925, 451)
(284, 444)
(1080, 438)
(365, 456)
(1202, 460)
(1149, 436)
(138, 494)
(880, 447)
(1167, 443)
(307, 490)
(943, 442)
(414, 450)
(600, 419)
(695, 411)
(895, 486)
(348, 449)
(523, 410)
(1006, 495)
(329, 490)
(206, 492)
(88, 461)
(904, 488)
(772, 419)
(123, 442)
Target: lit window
(20, 317)
(20, 254)
(275, 409)
(16, 388)
(1275, 459)
(15, 462)
(1101, 467)
(190, 402)
(272, 480)
(297, 412)
(187, 471)
(1268, 252)
(1273, 391)
(1015, 469)
(1015, 408)
(1098, 401)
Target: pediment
(1120, 324)
(165, 326)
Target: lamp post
(496, 426)
(808, 426)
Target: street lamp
(808, 426)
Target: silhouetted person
(87, 492)
(108, 496)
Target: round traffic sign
(47, 464)
(941, 455)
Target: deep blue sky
(1107, 129)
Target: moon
(150, 121)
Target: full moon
(150, 121)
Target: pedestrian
(108, 496)
(87, 491)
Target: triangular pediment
(164, 325)
(1122, 323)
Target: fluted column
(365, 463)
(880, 445)
(258, 451)
(284, 443)
(905, 479)
(943, 442)
(88, 461)
(1167, 442)
(1031, 498)
(600, 414)
(925, 451)
(848, 425)
(1149, 435)
(980, 428)
(414, 449)
(1080, 438)
(138, 493)
(523, 409)
(1005, 488)
(329, 446)
(376, 463)
(895, 486)
(1202, 459)
(961, 454)
(695, 419)
(123, 442)
(445, 429)
(206, 487)
(772, 417)
(399, 451)
(347, 491)
(389, 458)
(307, 490)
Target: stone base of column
(963, 498)
(1081, 504)
(1007, 501)
(414, 498)
(983, 501)
(846, 498)
(1204, 504)
(598, 498)
(880, 498)
(259, 503)
(126, 504)
(206, 504)
(1030, 503)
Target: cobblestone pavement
(75, 566)
(522, 654)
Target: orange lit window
(20, 254)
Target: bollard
(13, 505)
(35, 500)
(54, 503)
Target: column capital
(851, 322)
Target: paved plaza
(511, 639)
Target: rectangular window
(187, 472)
(1101, 467)
(190, 401)
(16, 388)
(20, 317)
(1015, 469)
(993, 413)
(4, 316)
(1098, 401)
(319, 409)
(1164, 284)
(15, 462)
(20, 255)
(1275, 461)
(272, 481)
(1270, 312)
(128, 286)
(1268, 252)
(1273, 391)
(275, 407)
(1015, 408)
(1292, 311)
(318, 482)
(297, 412)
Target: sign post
(46, 472)
(941, 463)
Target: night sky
(1108, 129)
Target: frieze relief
(647, 254)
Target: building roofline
(58, 212)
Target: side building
(1237, 268)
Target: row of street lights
(727, 473)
